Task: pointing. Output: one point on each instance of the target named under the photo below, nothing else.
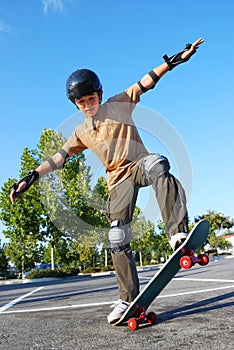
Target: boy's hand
(16, 192)
(23, 184)
(188, 53)
(183, 55)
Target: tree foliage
(4, 261)
(23, 221)
(33, 220)
(149, 245)
(218, 224)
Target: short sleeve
(74, 145)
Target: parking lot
(195, 311)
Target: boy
(109, 131)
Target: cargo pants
(151, 170)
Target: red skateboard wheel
(204, 259)
(151, 318)
(133, 324)
(186, 262)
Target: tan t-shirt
(112, 135)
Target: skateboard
(183, 257)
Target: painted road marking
(193, 279)
(61, 307)
(204, 280)
(15, 301)
(195, 292)
(109, 303)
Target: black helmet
(82, 82)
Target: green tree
(218, 223)
(99, 200)
(69, 202)
(49, 143)
(61, 249)
(143, 232)
(4, 261)
(65, 194)
(22, 221)
(87, 254)
(44, 212)
(162, 249)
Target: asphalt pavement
(194, 311)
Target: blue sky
(42, 42)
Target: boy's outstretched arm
(53, 163)
(149, 80)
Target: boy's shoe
(177, 239)
(119, 309)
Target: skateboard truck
(189, 259)
(141, 317)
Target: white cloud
(4, 28)
(57, 5)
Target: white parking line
(61, 307)
(15, 301)
(204, 280)
(77, 306)
(195, 292)
(193, 279)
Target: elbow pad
(155, 78)
(53, 165)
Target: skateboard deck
(182, 257)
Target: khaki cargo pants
(151, 170)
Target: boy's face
(88, 104)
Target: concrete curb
(90, 275)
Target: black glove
(173, 61)
(30, 178)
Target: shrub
(59, 272)
(98, 269)
(90, 270)
(107, 268)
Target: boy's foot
(119, 309)
(177, 239)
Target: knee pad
(119, 235)
(155, 165)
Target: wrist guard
(176, 59)
(30, 178)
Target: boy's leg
(126, 274)
(169, 193)
(121, 204)
(172, 203)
